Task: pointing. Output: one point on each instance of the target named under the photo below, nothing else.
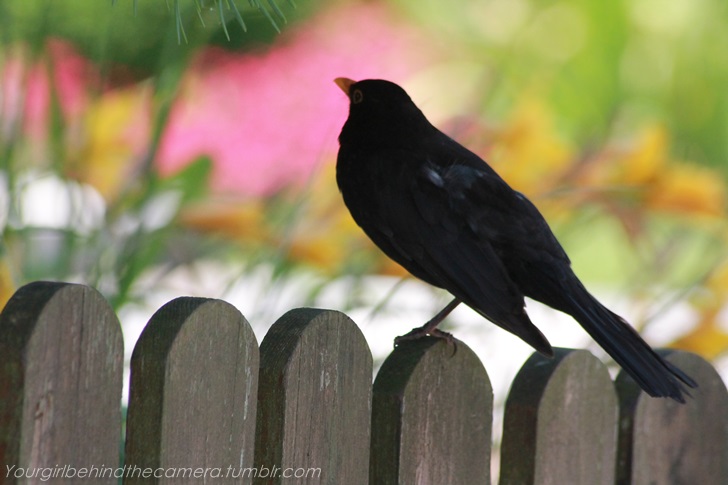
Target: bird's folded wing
(427, 229)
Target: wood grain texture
(314, 402)
(432, 416)
(664, 442)
(61, 369)
(194, 376)
(560, 422)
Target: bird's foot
(423, 331)
(420, 332)
(430, 328)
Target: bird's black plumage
(441, 212)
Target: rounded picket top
(663, 441)
(194, 378)
(61, 370)
(432, 415)
(560, 423)
(314, 404)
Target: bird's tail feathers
(652, 373)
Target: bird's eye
(357, 96)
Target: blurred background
(154, 151)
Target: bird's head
(381, 114)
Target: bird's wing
(503, 216)
(429, 223)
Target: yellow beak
(344, 83)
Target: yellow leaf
(528, 152)
(688, 189)
(707, 339)
(718, 281)
(116, 138)
(326, 232)
(644, 163)
(239, 220)
(633, 167)
(7, 288)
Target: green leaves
(272, 13)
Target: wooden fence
(207, 405)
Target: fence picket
(560, 423)
(662, 441)
(432, 416)
(192, 407)
(61, 366)
(314, 403)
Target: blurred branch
(272, 12)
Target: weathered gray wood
(664, 442)
(314, 404)
(61, 369)
(192, 406)
(560, 423)
(432, 416)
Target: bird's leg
(430, 328)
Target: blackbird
(441, 212)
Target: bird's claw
(420, 332)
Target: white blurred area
(47, 201)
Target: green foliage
(142, 35)
(605, 67)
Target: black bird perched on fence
(440, 211)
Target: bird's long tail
(652, 373)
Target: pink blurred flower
(268, 119)
(28, 85)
